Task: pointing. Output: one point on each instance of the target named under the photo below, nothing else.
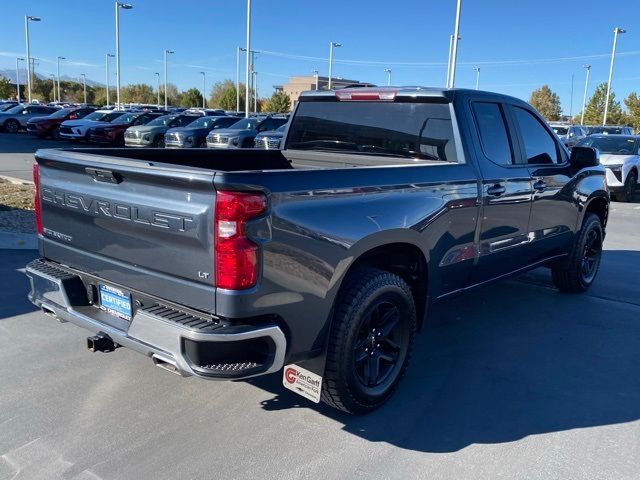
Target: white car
(620, 155)
(79, 129)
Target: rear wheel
(11, 126)
(371, 341)
(630, 185)
(580, 270)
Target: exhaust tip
(167, 365)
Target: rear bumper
(176, 340)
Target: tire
(159, 142)
(580, 270)
(11, 126)
(628, 192)
(55, 133)
(375, 306)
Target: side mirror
(583, 157)
(72, 116)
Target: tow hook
(101, 343)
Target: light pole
(204, 88)
(571, 101)
(454, 49)
(166, 53)
(315, 74)
(106, 64)
(332, 45)
(84, 86)
(18, 76)
(477, 69)
(616, 32)
(53, 85)
(124, 6)
(240, 49)
(388, 72)
(587, 67)
(27, 19)
(157, 74)
(255, 92)
(58, 75)
(248, 49)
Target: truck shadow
(506, 362)
(14, 285)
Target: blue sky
(519, 45)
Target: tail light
(236, 257)
(366, 94)
(36, 199)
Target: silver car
(16, 118)
(569, 134)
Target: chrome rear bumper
(60, 293)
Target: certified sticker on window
(303, 382)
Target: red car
(49, 126)
(113, 133)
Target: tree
(278, 103)
(633, 105)
(7, 89)
(223, 95)
(594, 112)
(547, 103)
(137, 93)
(172, 94)
(190, 98)
(42, 89)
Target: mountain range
(10, 75)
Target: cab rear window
(421, 131)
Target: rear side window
(540, 148)
(420, 131)
(493, 133)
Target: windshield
(245, 124)
(160, 121)
(126, 118)
(607, 130)
(561, 130)
(202, 122)
(611, 145)
(4, 108)
(16, 109)
(410, 130)
(96, 116)
(64, 113)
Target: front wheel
(580, 270)
(159, 142)
(11, 126)
(630, 185)
(370, 343)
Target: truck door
(554, 209)
(503, 241)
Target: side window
(493, 133)
(539, 145)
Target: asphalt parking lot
(512, 381)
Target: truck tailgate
(139, 225)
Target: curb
(16, 181)
(18, 241)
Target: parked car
(242, 133)
(16, 118)
(113, 132)
(270, 140)
(4, 106)
(205, 112)
(319, 260)
(195, 134)
(620, 154)
(50, 126)
(569, 134)
(610, 130)
(79, 129)
(152, 134)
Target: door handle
(540, 186)
(496, 190)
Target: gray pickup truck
(318, 260)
